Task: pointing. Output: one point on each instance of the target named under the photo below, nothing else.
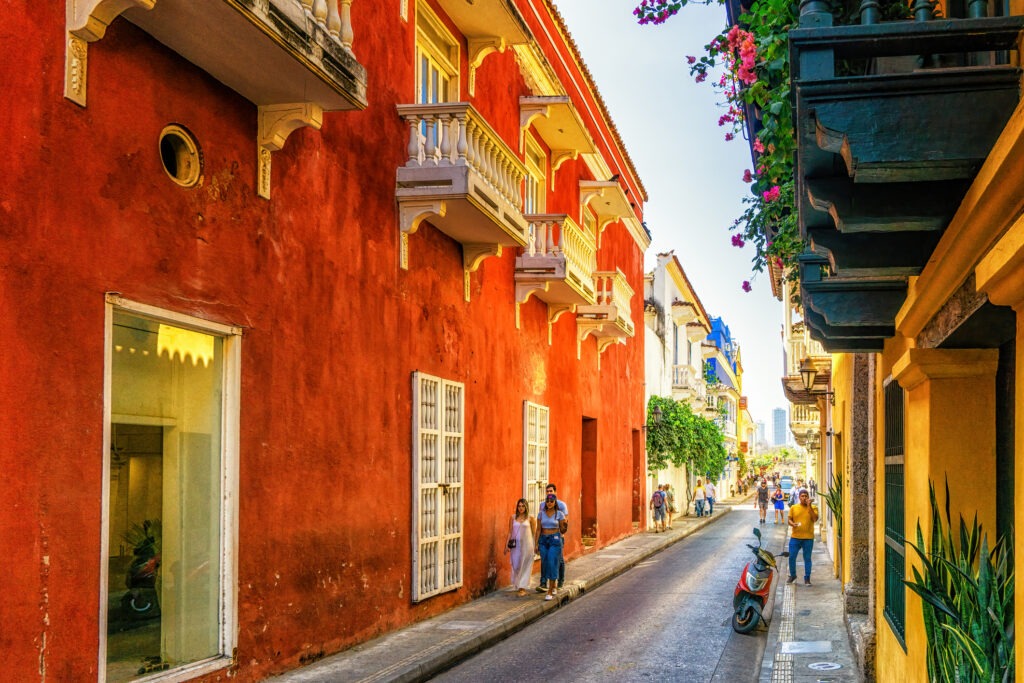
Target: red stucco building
(298, 299)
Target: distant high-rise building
(780, 427)
(762, 437)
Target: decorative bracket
(479, 48)
(525, 289)
(559, 157)
(411, 214)
(589, 194)
(555, 311)
(474, 254)
(87, 22)
(276, 122)
(527, 113)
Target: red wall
(333, 329)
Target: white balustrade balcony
(684, 377)
(558, 263)
(273, 52)
(461, 177)
(609, 318)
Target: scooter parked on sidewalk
(754, 587)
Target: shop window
(171, 460)
(895, 607)
(438, 444)
(536, 448)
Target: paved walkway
(807, 640)
(422, 650)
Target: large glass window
(535, 197)
(166, 547)
(437, 59)
(895, 606)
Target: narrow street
(666, 619)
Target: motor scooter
(754, 587)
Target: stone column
(858, 523)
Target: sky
(693, 177)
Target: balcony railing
(684, 377)
(462, 177)
(609, 317)
(558, 263)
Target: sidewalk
(424, 649)
(807, 640)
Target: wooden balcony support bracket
(87, 22)
(479, 49)
(525, 289)
(474, 254)
(276, 123)
(556, 311)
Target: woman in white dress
(521, 530)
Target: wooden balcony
(609, 319)
(463, 179)
(557, 265)
(893, 121)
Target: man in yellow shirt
(802, 518)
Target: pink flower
(728, 137)
(748, 177)
(772, 194)
(746, 285)
(758, 147)
(737, 241)
(691, 60)
(701, 77)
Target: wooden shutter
(437, 492)
(536, 430)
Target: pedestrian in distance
(779, 501)
(794, 496)
(762, 499)
(552, 490)
(670, 503)
(551, 524)
(522, 530)
(698, 499)
(802, 518)
(709, 494)
(658, 507)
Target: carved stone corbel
(525, 289)
(474, 254)
(479, 48)
(556, 311)
(559, 157)
(411, 214)
(276, 122)
(87, 22)
(587, 195)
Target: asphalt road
(667, 619)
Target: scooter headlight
(755, 583)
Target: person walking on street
(657, 507)
(794, 497)
(802, 518)
(552, 490)
(762, 499)
(779, 501)
(698, 499)
(670, 503)
(521, 532)
(709, 494)
(551, 524)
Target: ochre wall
(333, 329)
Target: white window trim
(446, 56)
(528, 480)
(417, 380)
(230, 407)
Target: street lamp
(808, 373)
(656, 414)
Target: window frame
(441, 49)
(443, 482)
(534, 486)
(231, 337)
(536, 180)
(894, 565)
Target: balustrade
(333, 16)
(446, 135)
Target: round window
(180, 155)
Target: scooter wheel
(140, 608)
(744, 619)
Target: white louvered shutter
(437, 493)
(535, 457)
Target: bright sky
(693, 176)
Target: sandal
(549, 596)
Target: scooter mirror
(757, 532)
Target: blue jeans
(698, 507)
(795, 545)
(711, 505)
(550, 548)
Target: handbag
(511, 543)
